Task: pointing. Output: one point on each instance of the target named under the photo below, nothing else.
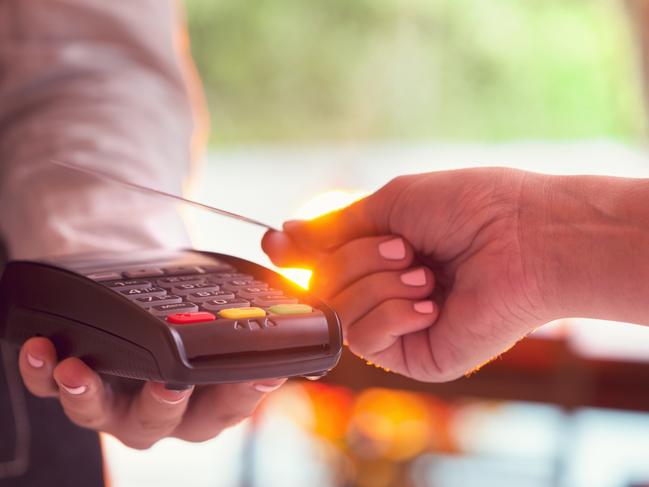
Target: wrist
(585, 242)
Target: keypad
(184, 295)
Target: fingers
(86, 400)
(359, 258)
(36, 362)
(367, 217)
(366, 294)
(387, 323)
(284, 252)
(217, 407)
(153, 414)
(333, 229)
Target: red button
(187, 318)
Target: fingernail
(393, 249)
(35, 362)
(75, 391)
(268, 386)
(414, 278)
(170, 396)
(181, 397)
(424, 307)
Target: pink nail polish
(173, 401)
(35, 362)
(75, 391)
(170, 396)
(393, 249)
(414, 278)
(424, 307)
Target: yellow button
(290, 309)
(241, 313)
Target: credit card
(159, 193)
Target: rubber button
(188, 318)
(241, 313)
(290, 309)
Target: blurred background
(316, 103)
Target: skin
(503, 252)
(138, 416)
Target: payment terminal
(180, 317)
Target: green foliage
(305, 70)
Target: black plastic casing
(115, 336)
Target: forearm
(586, 241)
(99, 85)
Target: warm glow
(328, 201)
(316, 206)
(301, 277)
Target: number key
(128, 284)
(219, 304)
(251, 292)
(202, 296)
(238, 284)
(144, 272)
(136, 293)
(149, 301)
(222, 277)
(170, 282)
(166, 309)
(190, 288)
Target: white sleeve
(96, 83)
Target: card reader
(179, 317)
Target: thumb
(363, 218)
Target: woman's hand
(139, 417)
(429, 274)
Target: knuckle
(375, 287)
(393, 310)
(443, 364)
(352, 344)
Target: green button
(290, 309)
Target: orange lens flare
(316, 206)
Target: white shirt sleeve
(99, 84)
